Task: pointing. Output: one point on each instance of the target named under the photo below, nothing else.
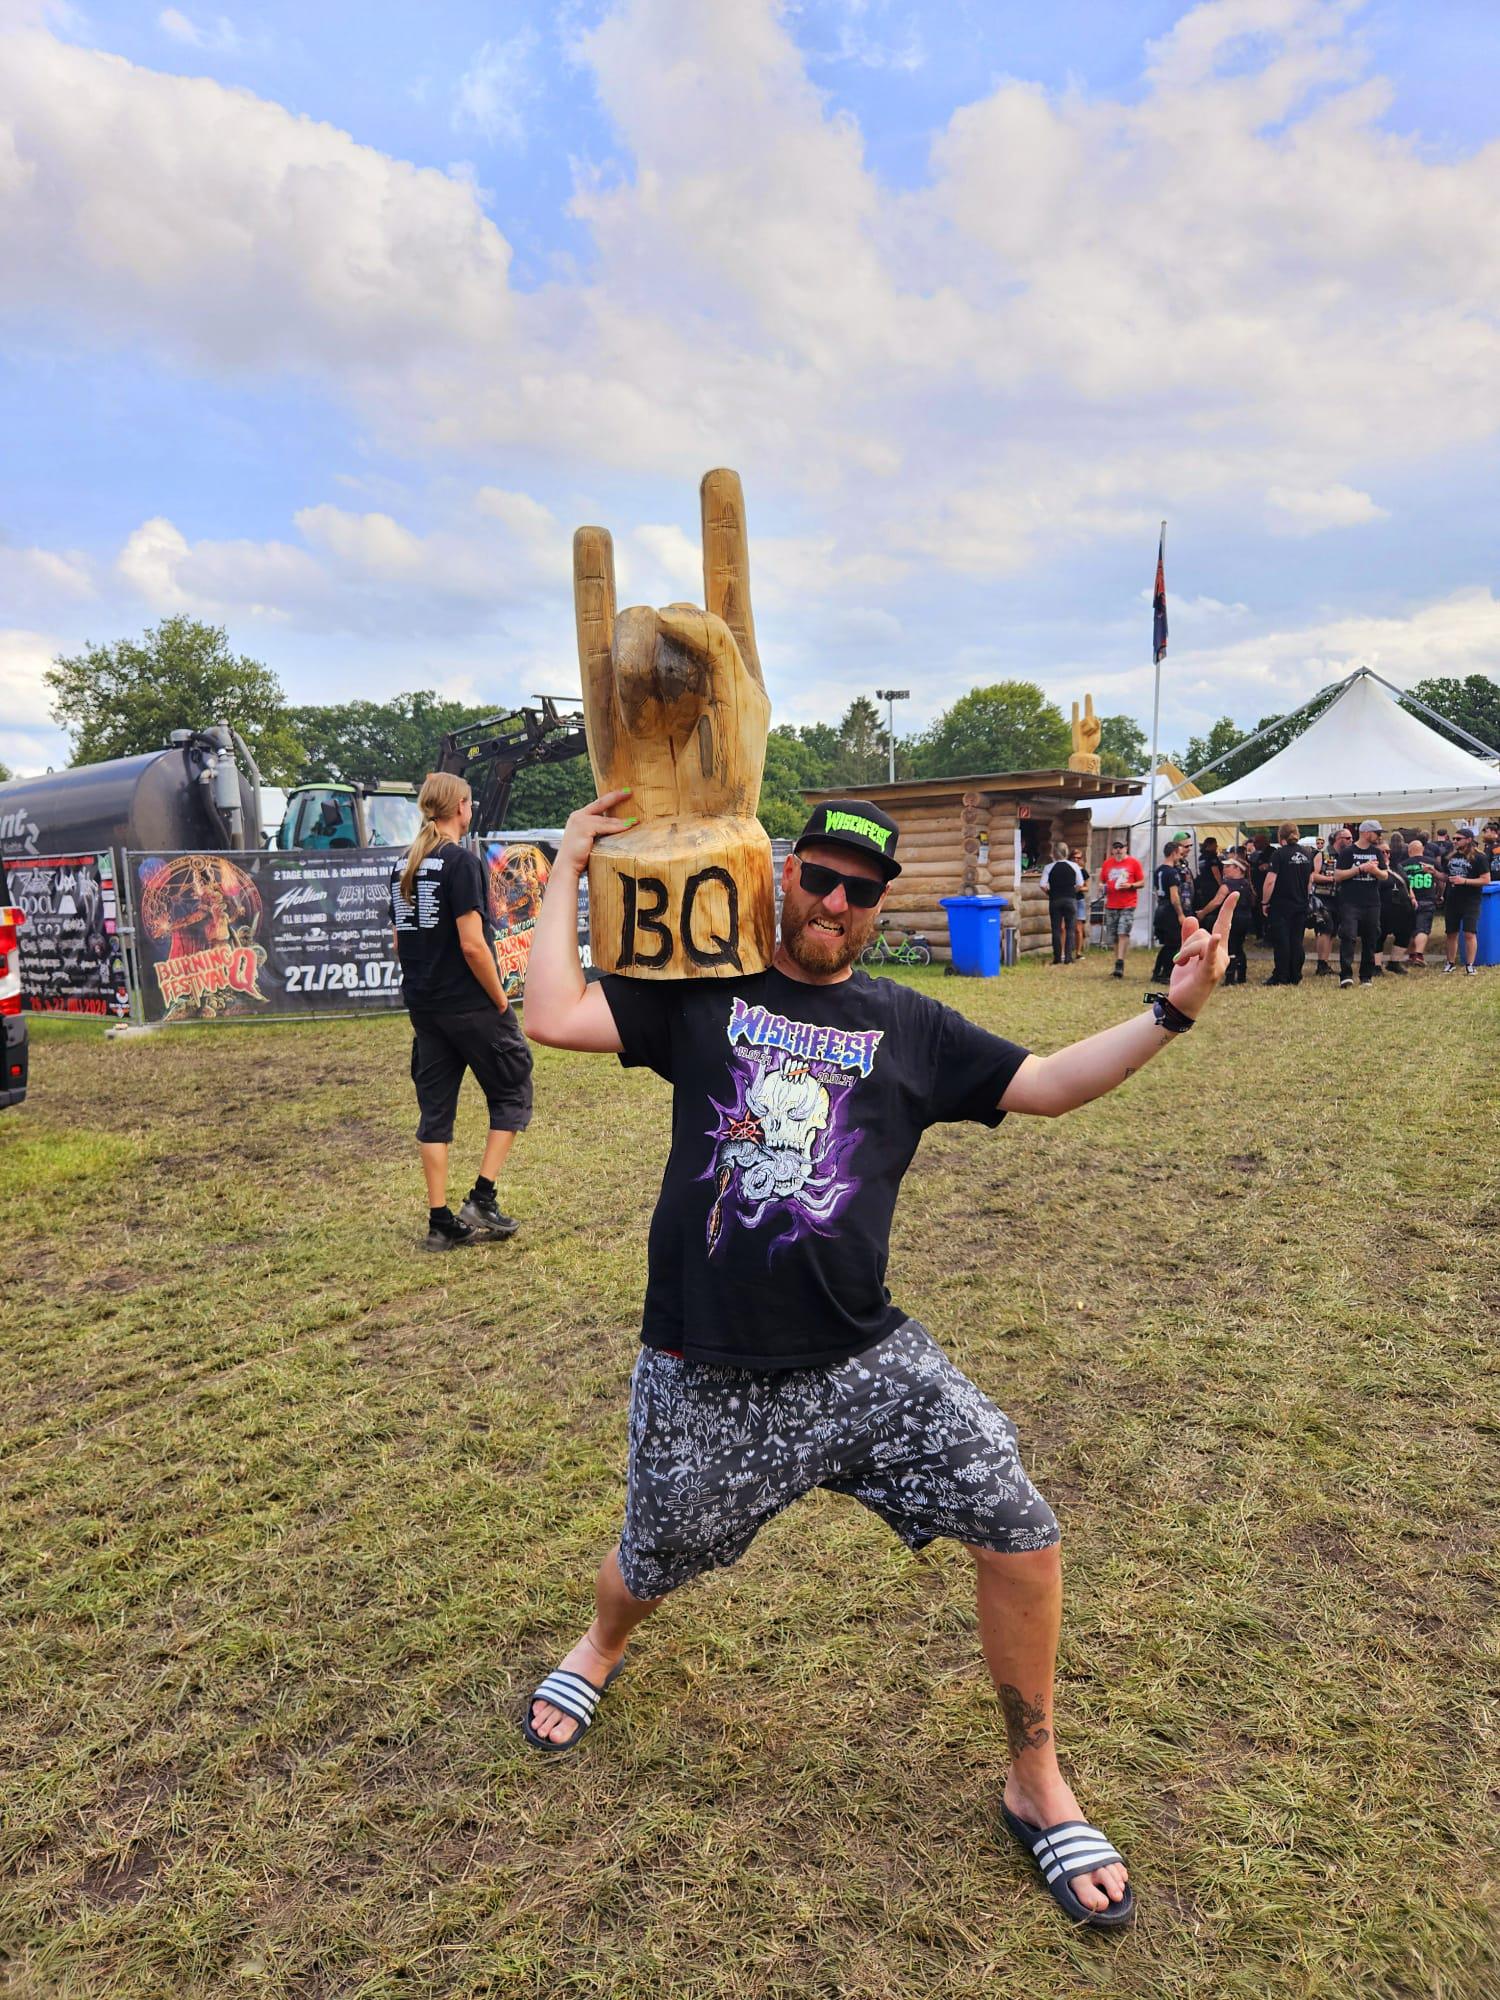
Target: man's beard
(820, 952)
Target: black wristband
(1167, 1016)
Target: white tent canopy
(1364, 754)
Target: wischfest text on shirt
(845, 1048)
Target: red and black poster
(516, 872)
(69, 946)
(284, 931)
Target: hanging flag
(1159, 600)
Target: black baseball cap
(855, 823)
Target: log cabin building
(985, 836)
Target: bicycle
(913, 949)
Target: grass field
(294, 1516)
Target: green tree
(863, 754)
(358, 741)
(6, 774)
(1201, 750)
(1473, 703)
(544, 794)
(797, 760)
(1123, 749)
(121, 700)
(1008, 727)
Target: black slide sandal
(1066, 1850)
(575, 1696)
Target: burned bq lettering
(728, 948)
(633, 918)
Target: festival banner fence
(71, 953)
(303, 930)
(282, 931)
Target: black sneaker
(482, 1217)
(1343, 981)
(1274, 981)
(1324, 971)
(1119, 971)
(451, 1234)
(1396, 971)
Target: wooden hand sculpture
(676, 710)
(1087, 731)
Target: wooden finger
(594, 609)
(726, 561)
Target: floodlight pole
(890, 696)
(1155, 723)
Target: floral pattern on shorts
(715, 1453)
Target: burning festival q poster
(285, 931)
(69, 945)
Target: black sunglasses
(863, 894)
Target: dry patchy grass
(294, 1517)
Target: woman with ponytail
(460, 1017)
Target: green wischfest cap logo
(847, 822)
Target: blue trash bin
(1488, 952)
(974, 933)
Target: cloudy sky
(330, 324)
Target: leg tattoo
(1023, 1721)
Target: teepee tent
(1364, 754)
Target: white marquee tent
(1364, 755)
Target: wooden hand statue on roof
(676, 710)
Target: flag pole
(1156, 653)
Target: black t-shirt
(435, 975)
(1293, 866)
(1061, 880)
(1421, 879)
(1362, 890)
(1206, 882)
(1468, 873)
(796, 1110)
(1169, 878)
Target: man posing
(1358, 876)
(774, 1360)
(1122, 876)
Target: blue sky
(331, 324)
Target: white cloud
(495, 91)
(1304, 512)
(1233, 290)
(28, 740)
(220, 37)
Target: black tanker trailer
(194, 793)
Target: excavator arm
(490, 753)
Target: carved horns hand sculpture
(676, 709)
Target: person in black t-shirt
(1285, 897)
(1422, 881)
(774, 1358)
(1210, 876)
(1061, 879)
(1465, 872)
(1173, 902)
(1236, 884)
(460, 1017)
(1359, 875)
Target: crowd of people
(1375, 894)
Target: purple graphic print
(782, 1147)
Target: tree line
(121, 699)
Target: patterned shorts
(1118, 924)
(715, 1453)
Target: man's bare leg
(1020, 1617)
(497, 1147)
(600, 1650)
